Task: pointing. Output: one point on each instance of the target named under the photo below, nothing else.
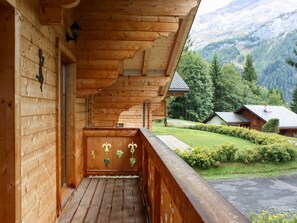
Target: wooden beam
(50, 15)
(146, 60)
(90, 16)
(60, 3)
(96, 74)
(10, 163)
(106, 54)
(165, 8)
(98, 64)
(121, 35)
(178, 47)
(113, 45)
(129, 26)
(185, 26)
(94, 83)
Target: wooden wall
(256, 122)
(8, 166)
(81, 122)
(38, 115)
(38, 118)
(133, 117)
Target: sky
(211, 5)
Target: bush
(271, 126)
(266, 217)
(268, 148)
(259, 138)
(226, 152)
(277, 152)
(247, 155)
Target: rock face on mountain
(266, 29)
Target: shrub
(266, 217)
(271, 126)
(226, 152)
(247, 155)
(259, 138)
(277, 152)
(268, 148)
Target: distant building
(255, 116)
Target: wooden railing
(172, 190)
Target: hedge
(259, 138)
(268, 148)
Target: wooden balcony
(163, 187)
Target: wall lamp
(74, 30)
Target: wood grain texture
(104, 199)
(8, 152)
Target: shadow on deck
(106, 199)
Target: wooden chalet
(61, 99)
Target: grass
(226, 170)
(195, 137)
(240, 170)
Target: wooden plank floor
(106, 199)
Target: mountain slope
(269, 42)
(238, 18)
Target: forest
(216, 86)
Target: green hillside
(269, 57)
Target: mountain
(265, 29)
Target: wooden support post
(70, 124)
(10, 202)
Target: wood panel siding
(38, 109)
(140, 116)
(37, 114)
(81, 123)
(119, 139)
(256, 122)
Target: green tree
(234, 91)
(215, 73)
(291, 61)
(197, 104)
(249, 71)
(271, 126)
(275, 97)
(293, 104)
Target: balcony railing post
(144, 170)
(157, 197)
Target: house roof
(287, 118)
(178, 84)
(229, 117)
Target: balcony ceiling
(127, 50)
(130, 43)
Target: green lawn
(195, 137)
(226, 170)
(240, 170)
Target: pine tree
(249, 71)
(215, 74)
(275, 97)
(293, 104)
(235, 91)
(290, 61)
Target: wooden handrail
(188, 197)
(173, 191)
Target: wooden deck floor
(101, 199)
